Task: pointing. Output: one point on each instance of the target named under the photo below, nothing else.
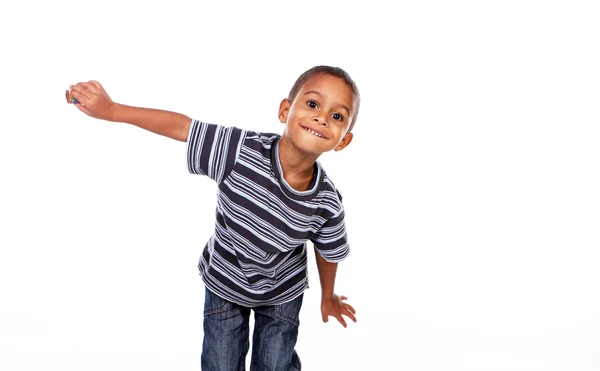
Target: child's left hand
(334, 306)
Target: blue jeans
(226, 336)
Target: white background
(471, 188)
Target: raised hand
(334, 306)
(93, 100)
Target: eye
(338, 117)
(312, 104)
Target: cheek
(341, 133)
(338, 134)
(298, 114)
(294, 111)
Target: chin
(309, 146)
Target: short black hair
(332, 71)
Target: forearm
(327, 273)
(170, 124)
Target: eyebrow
(321, 95)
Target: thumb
(325, 317)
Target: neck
(297, 166)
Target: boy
(273, 196)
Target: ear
(284, 109)
(344, 142)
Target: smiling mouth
(318, 135)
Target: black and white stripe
(257, 254)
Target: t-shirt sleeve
(212, 149)
(331, 240)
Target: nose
(320, 120)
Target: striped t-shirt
(257, 254)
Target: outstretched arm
(95, 102)
(332, 304)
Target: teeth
(315, 133)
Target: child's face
(317, 120)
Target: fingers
(350, 315)
(83, 109)
(87, 89)
(88, 86)
(349, 307)
(83, 98)
(338, 308)
(80, 93)
(350, 311)
(85, 92)
(341, 320)
(96, 84)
